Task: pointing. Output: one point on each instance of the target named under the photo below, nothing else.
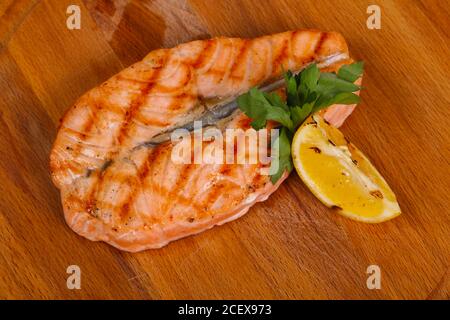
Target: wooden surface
(290, 246)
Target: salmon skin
(119, 188)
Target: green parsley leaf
(340, 98)
(262, 106)
(292, 98)
(307, 92)
(251, 103)
(351, 72)
(281, 157)
(275, 100)
(280, 112)
(329, 83)
(309, 78)
(299, 114)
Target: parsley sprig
(306, 93)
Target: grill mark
(150, 122)
(128, 116)
(291, 40)
(188, 79)
(307, 60)
(144, 171)
(141, 175)
(198, 207)
(163, 90)
(212, 197)
(222, 187)
(170, 90)
(281, 56)
(186, 95)
(91, 199)
(67, 166)
(182, 98)
(171, 196)
(221, 72)
(315, 149)
(236, 78)
(244, 122)
(121, 77)
(227, 169)
(290, 46)
(181, 101)
(85, 130)
(115, 109)
(261, 77)
(214, 194)
(160, 190)
(293, 35)
(323, 38)
(73, 167)
(206, 52)
(182, 181)
(137, 103)
(125, 207)
(93, 109)
(258, 180)
(72, 202)
(239, 57)
(75, 133)
(376, 194)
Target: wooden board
(290, 246)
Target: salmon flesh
(111, 159)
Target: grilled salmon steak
(118, 187)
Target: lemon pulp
(340, 175)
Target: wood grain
(290, 246)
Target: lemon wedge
(339, 175)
